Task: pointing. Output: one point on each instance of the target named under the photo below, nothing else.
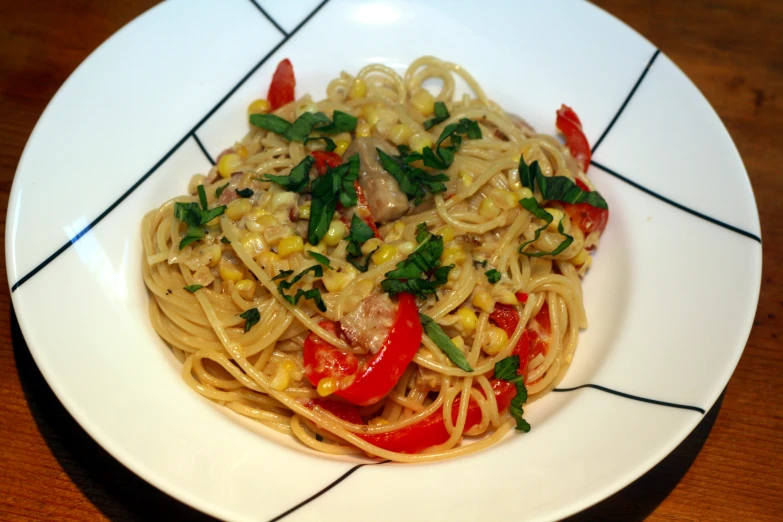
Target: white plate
(670, 298)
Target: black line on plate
(675, 204)
(322, 491)
(627, 99)
(191, 132)
(258, 6)
(633, 397)
(203, 149)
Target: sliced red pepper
(521, 297)
(281, 90)
(530, 344)
(427, 433)
(375, 375)
(586, 218)
(568, 123)
(325, 160)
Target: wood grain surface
(729, 468)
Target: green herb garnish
(297, 179)
(424, 261)
(313, 293)
(225, 240)
(557, 188)
(341, 122)
(251, 317)
(320, 258)
(336, 185)
(531, 205)
(308, 122)
(303, 126)
(441, 114)
(270, 122)
(193, 288)
(245, 193)
(330, 145)
(195, 216)
(219, 190)
(493, 276)
(442, 341)
(413, 181)
(507, 370)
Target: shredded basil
(442, 341)
(297, 179)
(219, 190)
(557, 188)
(313, 293)
(493, 276)
(320, 258)
(270, 122)
(531, 205)
(330, 145)
(441, 114)
(506, 370)
(414, 182)
(195, 216)
(193, 288)
(251, 317)
(245, 193)
(424, 261)
(336, 185)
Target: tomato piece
(568, 123)
(530, 343)
(281, 90)
(586, 218)
(374, 376)
(341, 410)
(521, 297)
(325, 160)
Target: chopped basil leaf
(313, 293)
(318, 437)
(219, 190)
(480, 263)
(282, 275)
(506, 370)
(297, 179)
(193, 288)
(557, 188)
(439, 337)
(225, 240)
(245, 193)
(441, 114)
(320, 258)
(360, 233)
(361, 267)
(251, 317)
(195, 217)
(341, 122)
(330, 145)
(424, 261)
(421, 232)
(531, 205)
(442, 156)
(202, 197)
(336, 185)
(303, 126)
(493, 276)
(270, 122)
(414, 182)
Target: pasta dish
(386, 271)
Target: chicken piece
(384, 197)
(369, 325)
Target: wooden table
(729, 468)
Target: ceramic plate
(670, 297)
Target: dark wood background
(729, 468)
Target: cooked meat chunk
(369, 324)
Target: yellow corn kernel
(557, 216)
(496, 339)
(256, 213)
(282, 200)
(384, 254)
(327, 386)
(447, 233)
(467, 319)
(260, 106)
(406, 247)
(290, 245)
(238, 208)
(370, 245)
(365, 287)
(420, 140)
(212, 254)
(304, 211)
(229, 272)
(466, 177)
(370, 113)
(228, 164)
(268, 259)
(398, 228)
(400, 134)
(340, 146)
(281, 379)
(241, 150)
(358, 89)
(454, 255)
(581, 257)
(488, 209)
(337, 231)
(483, 301)
(335, 281)
(459, 342)
(268, 221)
(378, 421)
(246, 288)
(523, 193)
(508, 298)
(363, 129)
(505, 199)
(423, 101)
(516, 158)
(252, 242)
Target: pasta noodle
(254, 270)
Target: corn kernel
(378, 421)
(370, 245)
(523, 193)
(447, 233)
(508, 298)
(459, 342)
(246, 288)
(241, 150)
(406, 247)
(304, 211)
(268, 260)
(268, 221)
(581, 257)
(290, 245)
(420, 140)
(340, 146)
(398, 228)
(557, 216)
(212, 254)
(466, 177)
(423, 101)
(335, 281)
(452, 255)
(238, 208)
(488, 209)
(400, 134)
(229, 272)
(496, 339)
(282, 200)
(363, 129)
(327, 386)
(467, 319)
(483, 301)
(260, 106)
(505, 199)
(370, 113)
(252, 242)
(384, 254)
(337, 231)
(281, 379)
(288, 365)
(365, 287)
(358, 89)
(228, 164)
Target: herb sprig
(421, 272)
(195, 216)
(442, 341)
(313, 293)
(506, 370)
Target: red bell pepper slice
(325, 160)
(530, 344)
(281, 90)
(585, 217)
(429, 432)
(568, 123)
(373, 376)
